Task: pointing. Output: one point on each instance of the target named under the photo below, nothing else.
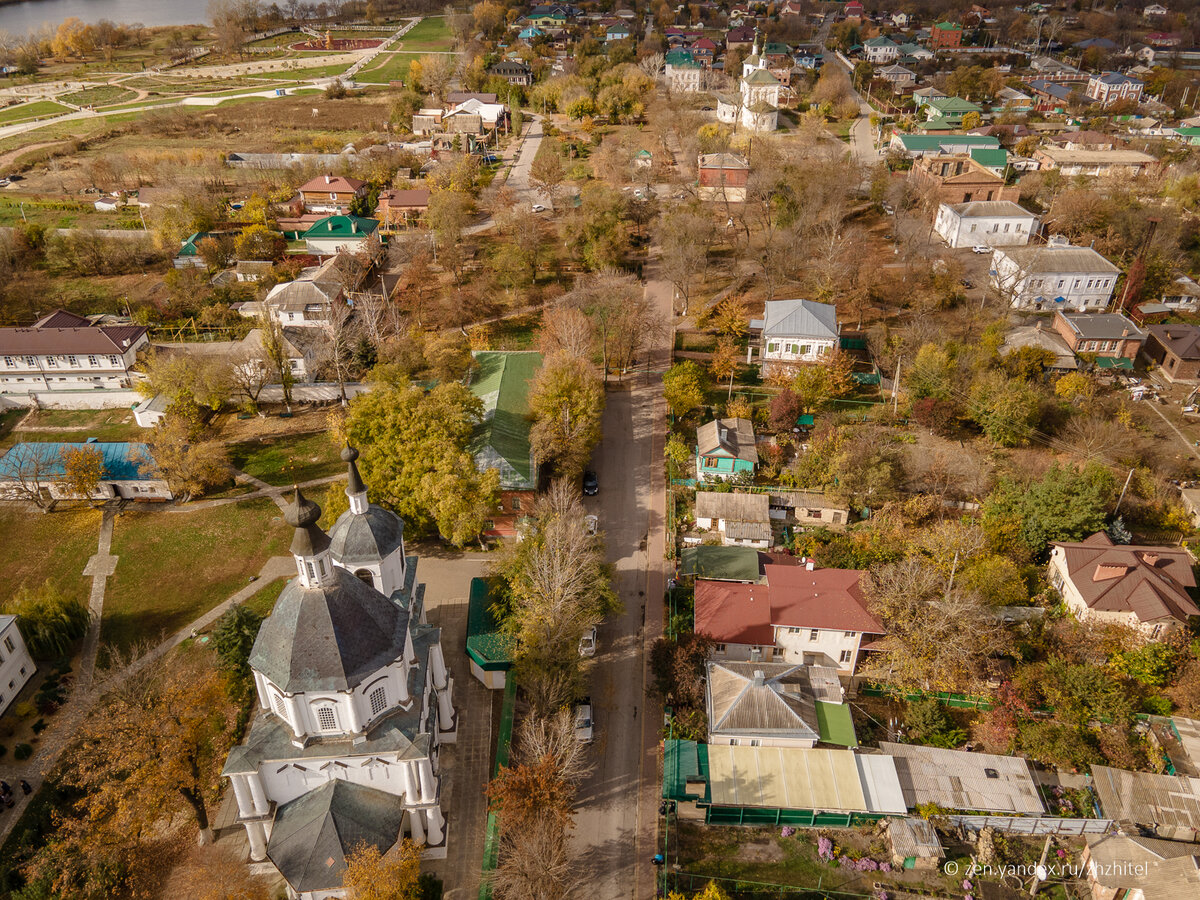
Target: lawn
(430, 33)
(104, 425)
(105, 95)
(311, 74)
(35, 110)
(282, 459)
(387, 67)
(174, 567)
(36, 546)
(264, 601)
(514, 334)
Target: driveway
(617, 817)
(518, 178)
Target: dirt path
(7, 159)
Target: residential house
(722, 176)
(902, 19)
(721, 563)
(617, 32)
(354, 701)
(995, 223)
(1088, 153)
(918, 145)
(1039, 337)
(922, 96)
(853, 10)
(1014, 101)
(806, 508)
(683, 72)
(189, 255)
(338, 234)
(1134, 867)
(530, 33)
(502, 380)
(331, 193)
(1163, 40)
(945, 36)
(1160, 806)
(1175, 349)
(898, 76)
(725, 449)
(1050, 95)
(1182, 294)
(1109, 87)
(794, 332)
(1111, 335)
(1155, 11)
(948, 112)
(801, 615)
(1145, 588)
(152, 410)
(957, 178)
(643, 159)
(743, 36)
(401, 208)
(1055, 275)
(65, 352)
(306, 302)
(915, 52)
(768, 704)
(880, 50)
(513, 71)
(742, 520)
(809, 57)
(704, 51)
(128, 471)
(16, 665)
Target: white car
(591, 523)
(537, 207)
(583, 721)
(980, 248)
(587, 643)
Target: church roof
(313, 834)
(367, 537)
(328, 637)
(760, 76)
(502, 380)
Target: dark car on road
(591, 485)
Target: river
(20, 18)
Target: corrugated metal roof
(915, 838)
(956, 779)
(790, 778)
(1147, 799)
(502, 381)
(748, 531)
(122, 461)
(880, 783)
(733, 507)
(734, 437)
(800, 318)
(769, 699)
(1052, 260)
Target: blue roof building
(38, 468)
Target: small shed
(915, 844)
(488, 648)
(151, 411)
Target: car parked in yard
(584, 727)
(980, 248)
(587, 643)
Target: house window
(845, 656)
(326, 719)
(1020, 227)
(772, 347)
(312, 572)
(113, 361)
(1006, 227)
(777, 652)
(72, 361)
(755, 742)
(51, 362)
(489, 524)
(972, 228)
(278, 707)
(378, 701)
(9, 362)
(720, 648)
(793, 631)
(29, 361)
(814, 634)
(92, 361)
(804, 349)
(1089, 284)
(516, 504)
(848, 634)
(9, 645)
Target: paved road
(518, 178)
(616, 824)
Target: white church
(756, 105)
(354, 702)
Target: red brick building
(1176, 349)
(723, 176)
(945, 36)
(1110, 335)
(958, 178)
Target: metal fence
(491, 839)
(1031, 825)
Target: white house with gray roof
(990, 223)
(1056, 276)
(354, 702)
(795, 332)
(766, 704)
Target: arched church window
(365, 575)
(326, 718)
(278, 707)
(312, 573)
(378, 699)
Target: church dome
(358, 539)
(328, 637)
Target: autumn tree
(31, 470)
(190, 462)
(567, 330)
(567, 403)
(258, 242)
(275, 354)
(684, 236)
(725, 361)
(202, 381)
(1023, 515)
(83, 470)
(685, 387)
(49, 620)
(546, 173)
(371, 875)
(1005, 408)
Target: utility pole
(896, 389)
(1128, 478)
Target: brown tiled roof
(733, 612)
(1181, 340)
(60, 318)
(331, 184)
(1150, 582)
(416, 197)
(62, 341)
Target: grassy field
(105, 95)
(310, 74)
(429, 34)
(27, 111)
(36, 546)
(174, 567)
(387, 67)
(282, 460)
(104, 425)
(264, 600)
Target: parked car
(587, 643)
(966, 282)
(537, 207)
(591, 523)
(980, 248)
(584, 727)
(591, 485)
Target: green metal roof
(341, 227)
(948, 26)
(835, 725)
(683, 760)
(501, 379)
(954, 105)
(935, 141)
(490, 648)
(1114, 362)
(942, 123)
(721, 563)
(190, 246)
(987, 156)
(760, 76)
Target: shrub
(25, 709)
(39, 726)
(3, 750)
(22, 752)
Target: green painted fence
(491, 839)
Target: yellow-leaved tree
(371, 875)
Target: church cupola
(355, 489)
(310, 545)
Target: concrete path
(99, 567)
(278, 493)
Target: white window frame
(319, 714)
